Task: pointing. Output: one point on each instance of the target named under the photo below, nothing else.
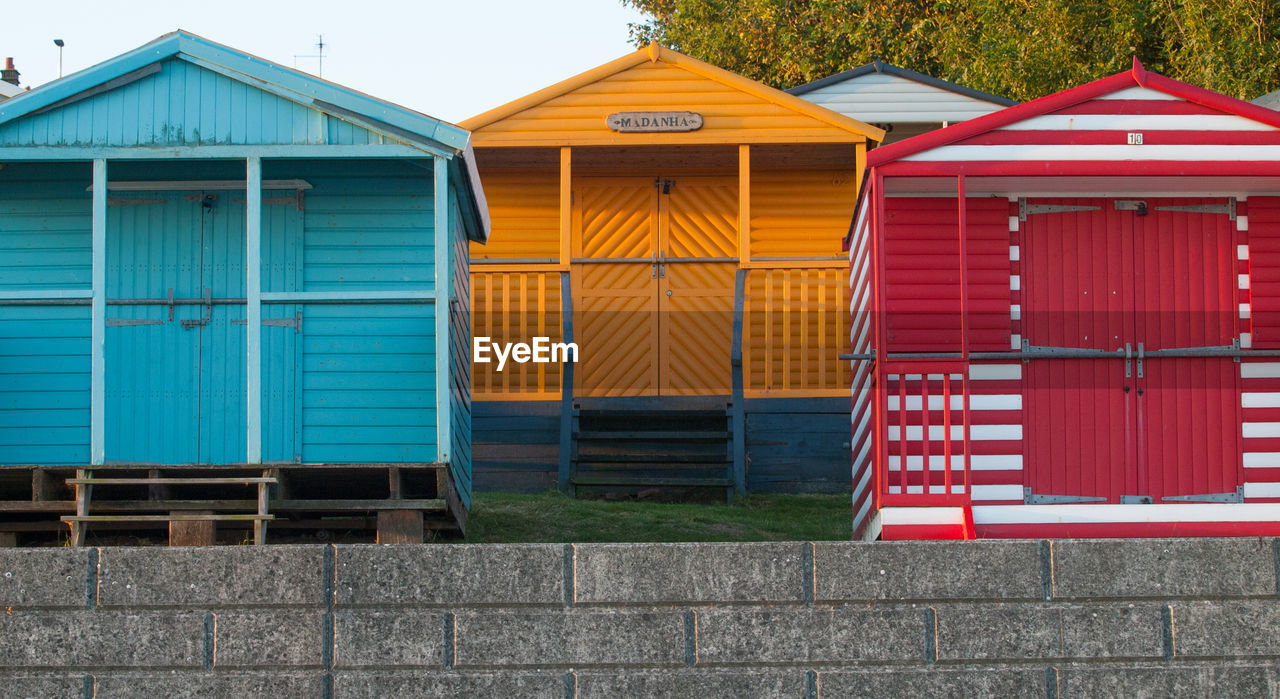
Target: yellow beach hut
(681, 224)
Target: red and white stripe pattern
(1259, 388)
(1130, 124)
(995, 433)
(862, 371)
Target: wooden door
(1188, 407)
(1078, 294)
(699, 248)
(615, 287)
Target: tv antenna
(318, 55)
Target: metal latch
(1237, 496)
(1132, 205)
(664, 185)
(1136, 500)
(1128, 359)
(1031, 498)
(1140, 357)
(208, 312)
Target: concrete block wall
(1184, 617)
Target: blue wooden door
(176, 373)
(153, 351)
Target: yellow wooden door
(615, 286)
(698, 235)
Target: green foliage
(1021, 49)
(552, 517)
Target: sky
(451, 59)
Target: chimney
(9, 74)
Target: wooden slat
(165, 518)
(623, 480)
(170, 481)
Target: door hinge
(1229, 208)
(1031, 498)
(1237, 496)
(120, 322)
(295, 322)
(1025, 209)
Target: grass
(552, 517)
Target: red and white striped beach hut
(1089, 344)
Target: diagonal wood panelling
(702, 218)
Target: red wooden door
(1154, 275)
(1078, 273)
(1187, 407)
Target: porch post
(963, 234)
(98, 332)
(443, 284)
(253, 303)
(566, 205)
(744, 203)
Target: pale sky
(450, 59)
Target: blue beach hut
(231, 292)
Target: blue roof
(396, 122)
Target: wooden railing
(514, 307)
(905, 392)
(794, 318)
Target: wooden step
(166, 518)
(615, 480)
(247, 480)
(630, 458)
(655, 435)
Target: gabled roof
(1137, 76)
(877, 66)
(654, 53)
(398, 122)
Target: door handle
(654, 275)
(1140, 356)
(662, 264)
(1128, 358)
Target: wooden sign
(650, 122)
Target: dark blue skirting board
(794, 445)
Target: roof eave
(907, 74)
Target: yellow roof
(736, 109)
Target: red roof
(1136, 76)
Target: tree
(1021, 49)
